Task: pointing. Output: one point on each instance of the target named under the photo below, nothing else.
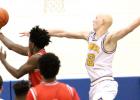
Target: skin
(25, 68)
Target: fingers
(5, 53)
(2, 54)
(1, 49)
(24, 34)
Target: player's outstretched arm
(67, 34)
(123, 32)
(29, 66)
(62, 33)
(13, 46)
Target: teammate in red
(37, 40)
(50, 88)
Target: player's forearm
(123, 32)
(8, 43)
(57, 33)
(11, 69)
(134, 25)
(13, 46)
(67, 34)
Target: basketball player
(37, 41)
(21, 89)
(50, 88)
(101, 48)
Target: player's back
(54, 91)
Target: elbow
(17, 76)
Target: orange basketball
(4, 17)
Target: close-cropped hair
(49, 65)
(21, 87)
(40, 37)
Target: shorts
(104, 90)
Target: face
(97, 22)
(31, 46)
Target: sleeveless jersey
(99, 61)
(35, 76)
(52, 91)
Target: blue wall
(129, 88)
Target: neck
(50, 80)
(20, 97)
(100, 32)
(35, 50)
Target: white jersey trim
(34, 94)
(70, 90)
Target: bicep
(29, 66)
(123, 32)
(118, 35)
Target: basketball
(4, 17)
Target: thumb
(5, 54)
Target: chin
(94, 29)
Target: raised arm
(29, 66)
(62, 33)
(123, 32)
(67, 34)
(13, 46)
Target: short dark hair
(40, 37)
(21, 87)
(1, 82)
(49, 65)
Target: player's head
(102, 21)
(49, 65)
(39, 38)
(1, 82)
(21, 88)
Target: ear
(32, 44)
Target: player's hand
(2, 55)
(24, 34)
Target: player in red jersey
(50, 88)
(38, 39)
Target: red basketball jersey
(35, 76)
(52, 91)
